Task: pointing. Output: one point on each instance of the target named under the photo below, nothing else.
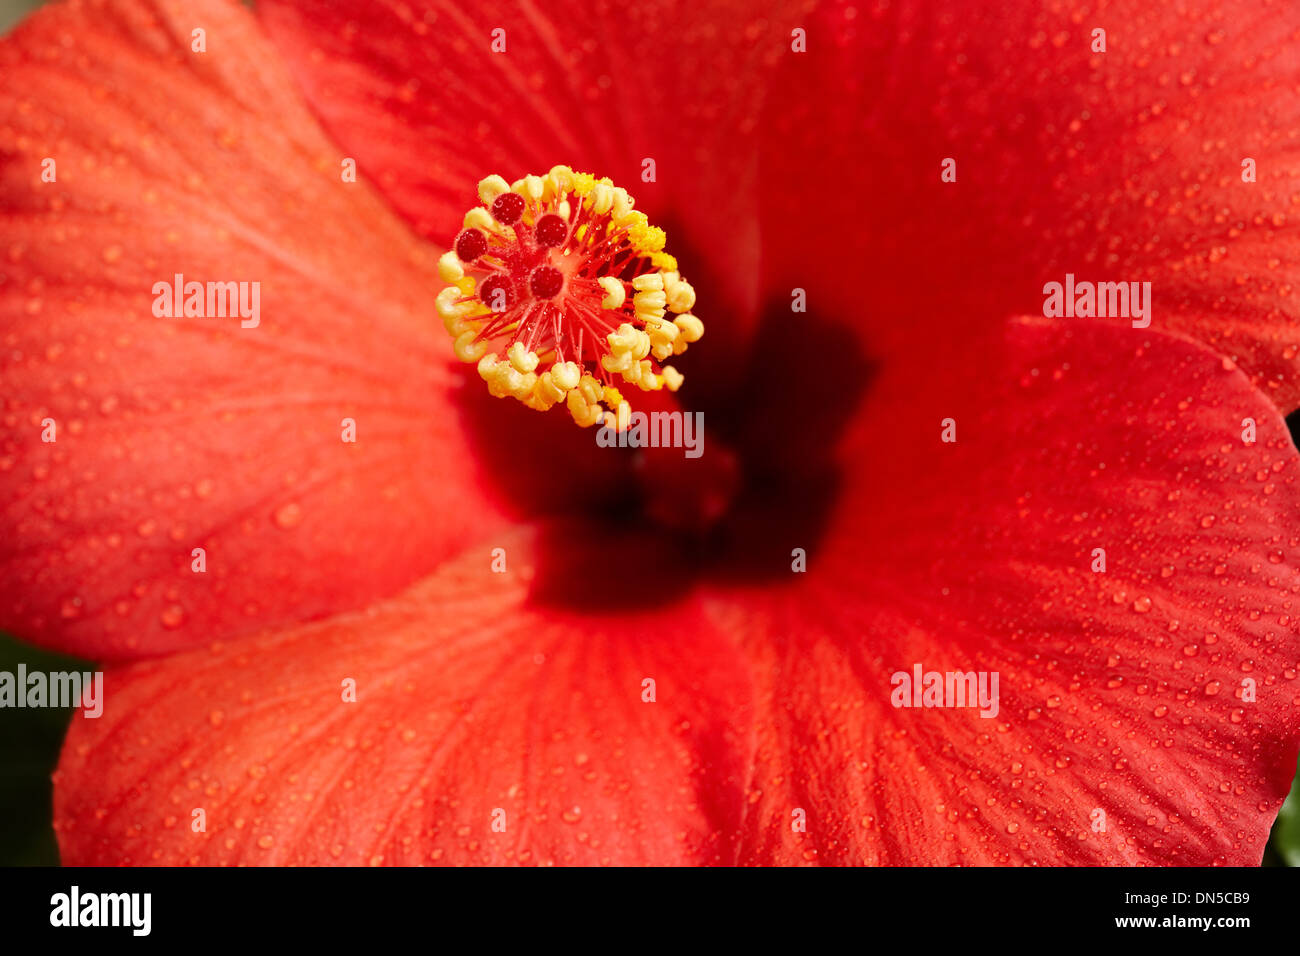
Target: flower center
(560, 291)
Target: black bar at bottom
(563, 906)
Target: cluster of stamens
(560, 291)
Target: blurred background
(30, 738)
(11, 11)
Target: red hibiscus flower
(472, 635)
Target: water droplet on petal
(288, 516)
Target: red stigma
(508, 208)
(497, 293)
(551, 230)
(470, 244)
(546, 282)
(561, 293)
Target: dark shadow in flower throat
(644, 526)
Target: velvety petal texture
(480, 731)
(1145, 711)
(1096, 522)
(1152, 692)
(1173, 157)
(128, 156)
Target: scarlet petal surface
(1123, 165)
(483, 731)
(1158, 696)
(177, 434)
(431, 96)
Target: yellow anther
(565, 361)
(623, 339)
(590, 388)
(498, 387)
(681, 297)
(530, 187)
(457, 325)
(449, 267)
(584, 413)
(623, 204)
(663, 330)
(649, 305)
(632, 374)
(566, 375)
(641, 374)
(692, 328)
(521, 358)
(466, 349)
(602, 198)
(446, 303)
(645, 238)
(561, 178)
(547, 393)
(492, 187)
(523, 388)
(618, 362)
(662, 335)
(480, 218)
(505, 381)
(615, 293)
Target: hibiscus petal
(473, 706)
(174, 434)
(1121, 691)
(1125, 165)
(416, 93)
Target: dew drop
(288, 516)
